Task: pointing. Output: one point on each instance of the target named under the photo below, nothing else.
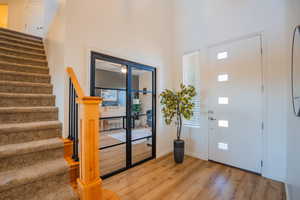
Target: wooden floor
(195, 179)
(114, 158)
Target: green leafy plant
(177, 105)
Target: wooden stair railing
(89, 183)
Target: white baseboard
(192, 154)
(195, 155)
(164, 153)
(287, 191)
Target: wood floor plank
(195, 179)
(149, 182)
(114, 158)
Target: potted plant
(177, 105)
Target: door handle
(212, 119)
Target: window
(222, 146)
(191, 74)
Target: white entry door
(34, 19)
(235, 108)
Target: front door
(235, 114)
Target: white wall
(141, 31)
(138, 30)
(199, 24)
(55, 48)
(16, 14)
(52, 13)
(293, 123)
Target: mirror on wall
(296, 71)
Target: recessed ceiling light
(222, 55)
(223, 77)
(123, 70)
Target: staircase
(32, 164)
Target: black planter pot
(178, 151)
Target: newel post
(89, 182)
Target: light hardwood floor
(114, 158)
(195, 179)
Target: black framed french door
(127, 114)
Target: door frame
(263, 111)
(130, 64)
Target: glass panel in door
(110, 84)
(141, 115)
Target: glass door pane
(110, 84)
(141, 115)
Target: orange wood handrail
(75, 82)
(89, 181)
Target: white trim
(287, 194)
(195, 155)
(247, 36)
(162, 154)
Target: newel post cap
(90, 100)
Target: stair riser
(22, 54)
(20, 37)
(36, 190)
(25, 89)
(16, 68)
(24, 78)
(22, 42)
(22, 117)
(29, 135)
(21, 34)
(20, 60)
(23, 48)
(19, 161)
(26, 101)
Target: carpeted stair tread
(21, 53)
(24, 73)
(27, 175)
(22, 57)
(20, 95)
(21, 37)
(14, 156)
(4, 128)
(65, 192)
(21, 47)
(16, 67)
(28, 109)
(29, 100)
(32, 163)
(29, 147)
(25, 87)
(20, 34)
(11, 115)
(24, 76)
(27, 132)
(23, 60)
(20, 41)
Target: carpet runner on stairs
(32, 164)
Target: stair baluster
(73, 120)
